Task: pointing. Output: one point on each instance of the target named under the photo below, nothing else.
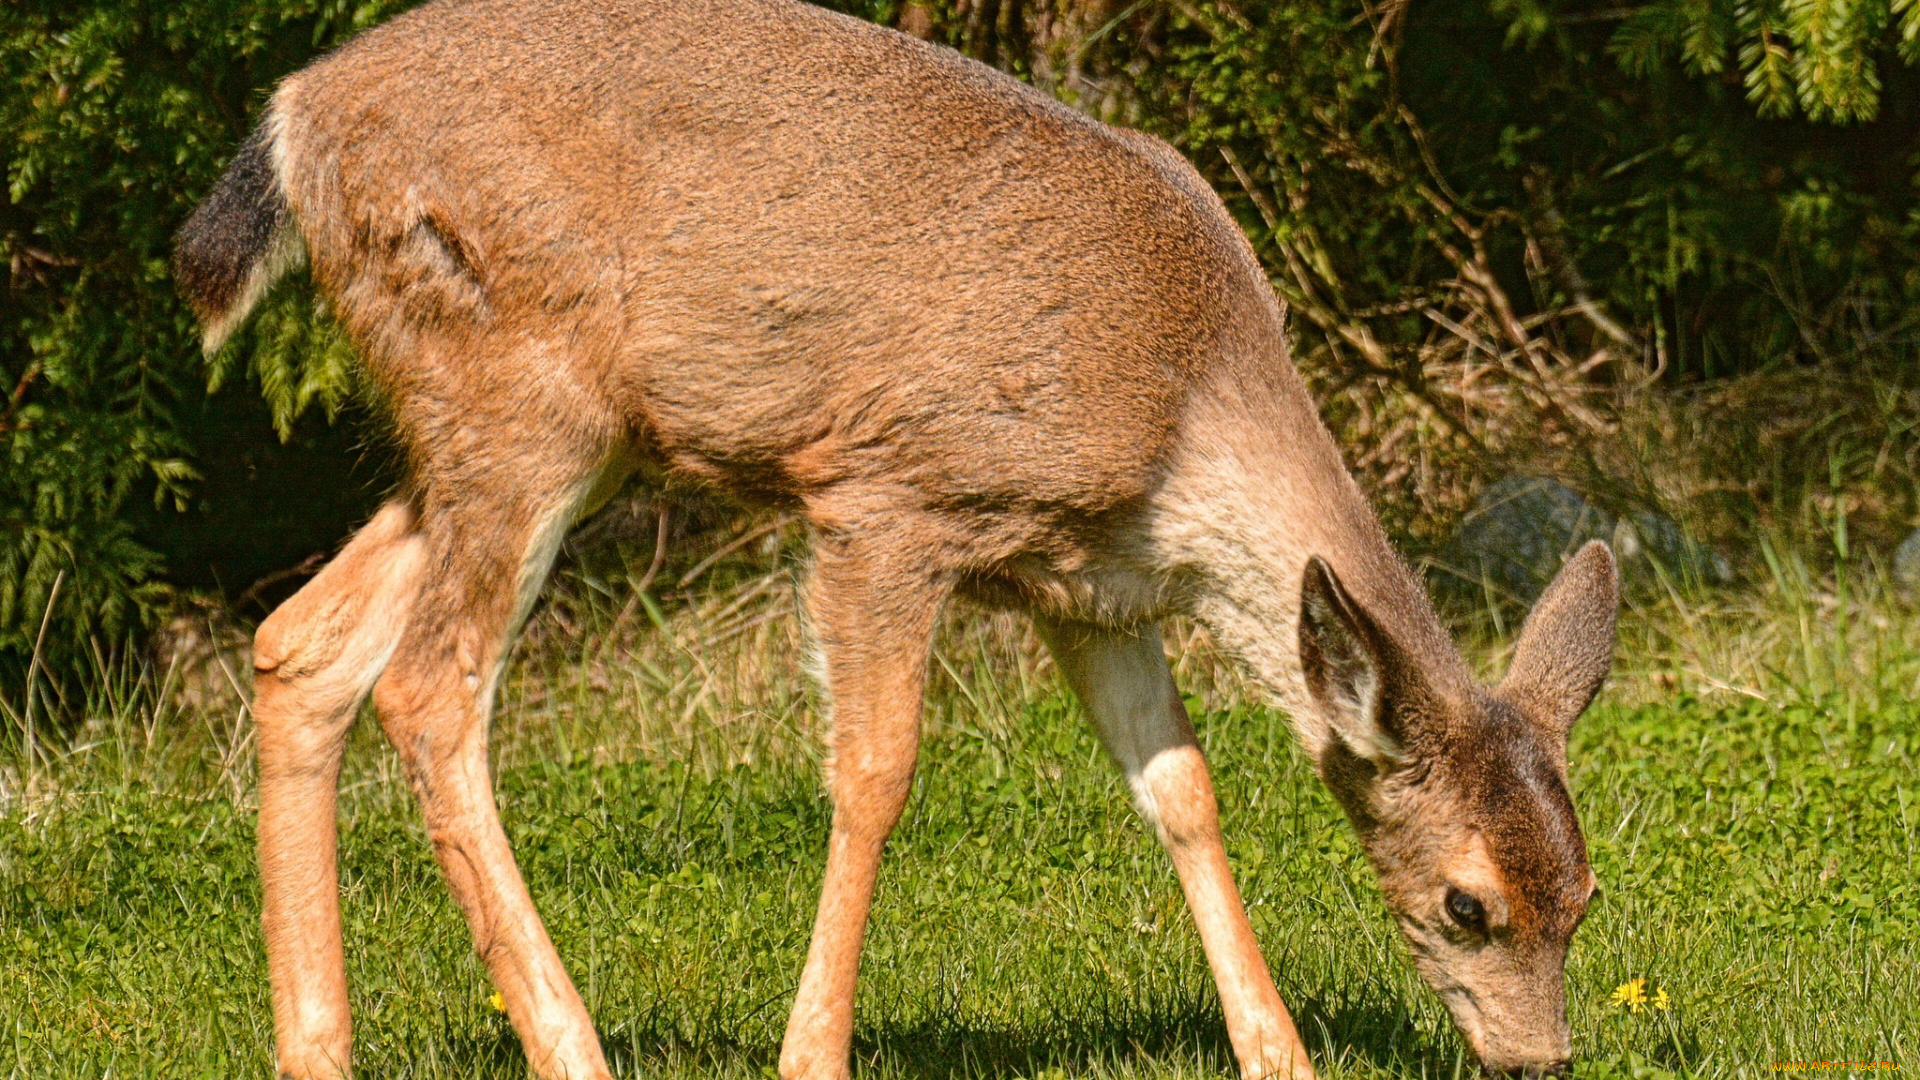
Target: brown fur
(986, 346)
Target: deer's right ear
(1344, 657)
(1566, 645)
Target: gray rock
(1906, 561)
(1518, 534)
(1650, 546)
(1522, 530)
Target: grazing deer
(984, 345)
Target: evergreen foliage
(1820, 56)
(1532, 188)
(116, 116)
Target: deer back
(781, 249)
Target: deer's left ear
(1566, 646)
(1352, 668)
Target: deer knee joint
(293, 641)
(1175, 795)
(299, 709)
(870, 799)
(348, 618)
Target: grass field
(1756, 848)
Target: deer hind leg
(873, 614)
(315, 659)
(1122, 679)
(489, 552)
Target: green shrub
(1484, 213)
(117, 116)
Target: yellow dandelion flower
(1661, 1001)
(1630, 995)
(498, 1001)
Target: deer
(988, 349)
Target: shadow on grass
(1364, 1036)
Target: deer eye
(1466, 910)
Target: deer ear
(1344, 656)
(1566, 646)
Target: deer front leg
(874, 621)
(1121, 677)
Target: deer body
(987, 347)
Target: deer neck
(1255, 489)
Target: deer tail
(240, 240)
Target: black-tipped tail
(239, 239)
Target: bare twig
(659, 549)
(1556, 256)
(1269, 212)
(213, 636)
(27, 261)
(730, 547)
(19, 395)
(307, 567)
(33, 670)
(235, 743)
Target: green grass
(1758, 863)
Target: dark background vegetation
(1662, 252)
(1668, 252)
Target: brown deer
(987, 347)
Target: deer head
(1461, 800)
